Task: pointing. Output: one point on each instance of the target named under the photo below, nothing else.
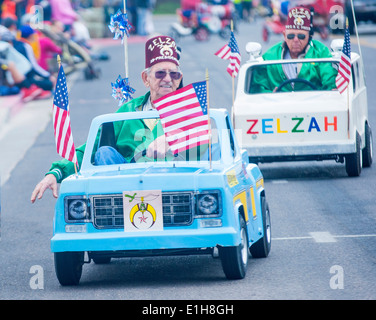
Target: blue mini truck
(179, 205)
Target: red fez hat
(299, 18)
(160, 49)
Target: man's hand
(48, 182)
(158, 148)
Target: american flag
(231, 52)
(184, 118)
(61, 120)
(344, 70)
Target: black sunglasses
(175, 75)
(300, 36)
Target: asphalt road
(323, 223)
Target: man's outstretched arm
(48, 182)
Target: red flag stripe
(190, 136)
(346, 60)
(66, 140)
(179, 105)
(191, 145)
(347, 70)
(59, 128)
(63, 130)
(173, 95)
(344, 69)
(343, 75)
(187, 128)
(61, 120)
(171, 115)
(180, 99)
(182, 116)
(185, 118)
(224, 53)
(179, 133)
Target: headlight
(76, 209)
(208, 203)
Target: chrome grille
(177, 208)
(107, 210)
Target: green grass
(166, 7)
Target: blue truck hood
(141, 178)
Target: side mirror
(254, 50)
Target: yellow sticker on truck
(232, 180)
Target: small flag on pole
(344, 69)
(231, 52)
(183, 115)
(61, 120)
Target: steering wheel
(306, 82)
(142, 153)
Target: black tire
(235, 259)
(354, 160)
(102, 260)
(261, 248)
(68, 267)
(368, 149)
(201, 34)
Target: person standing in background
(48, 49)
(144, 16)
(132, 14)
(62, 10)
(149, 25)
(247, 7)
(238, 8)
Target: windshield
(127, 141)
(288, 77)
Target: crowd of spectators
(26, 53)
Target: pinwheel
(119, 25)
(121, 90)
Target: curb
(9, 107)
(31, 117)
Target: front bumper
(176, 238)
(299, 150)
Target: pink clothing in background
(62, 10)
(189, 4)
(48, 49)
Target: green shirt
(322, 75)
(129, 136)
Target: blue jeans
(108, 155)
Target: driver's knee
(108, 155)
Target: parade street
(323, 222)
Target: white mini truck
(309, 124)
